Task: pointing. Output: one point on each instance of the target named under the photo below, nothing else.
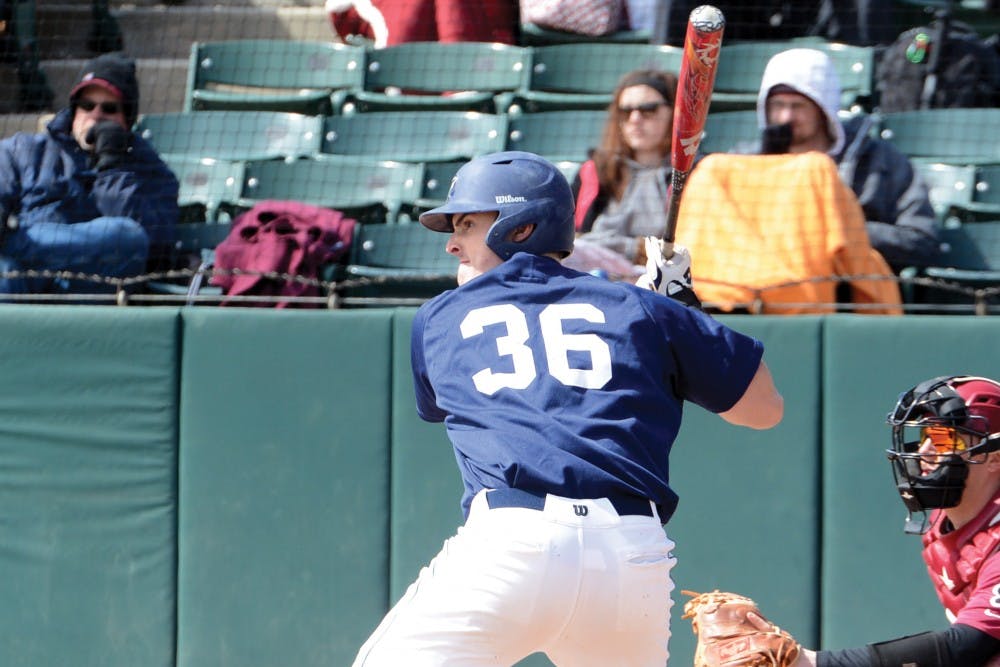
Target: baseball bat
(694, 92)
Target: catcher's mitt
(727, 638)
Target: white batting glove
(669, 277)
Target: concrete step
(63, 30)
(159, 35)
(161, 89)
(158, 31)
(167, 32)
(119, 4)
(10, 89)
(161, 81)
(12, 123)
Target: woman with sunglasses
(621, 192)
(89, 197)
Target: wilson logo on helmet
(509, 199)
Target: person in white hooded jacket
(797, 111)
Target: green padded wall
(88, 408)
(283, 531)
(875, 586)
(298, 526)
(748, 517)
(426, 486)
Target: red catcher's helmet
(982, 397)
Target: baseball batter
(562, 394)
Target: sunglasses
(645, 110)
(107, 108)
(945, 439)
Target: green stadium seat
(968, 273)
(437, 181)
(206, 185)
(584, 75)
(569, 168)
(272, 75)
(535, 35)
(742, 64)
(557, 135)
(726, 129)
(414, 136)
(985, 202)
(948, 185)
(366, 190)
(438, 76)
(955, 136)
(972, 248)
(232, 135)
(395, 264)
(195, 252)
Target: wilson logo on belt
(580, 510)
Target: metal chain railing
(193, 287)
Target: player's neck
(974, 499)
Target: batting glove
(669, 277)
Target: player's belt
(624, 505)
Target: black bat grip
(677, 182)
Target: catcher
(945, 439)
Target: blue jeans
(114, 247)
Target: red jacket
(285, 237)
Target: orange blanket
(776, 233)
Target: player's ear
(522, 232)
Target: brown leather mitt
(728, 638)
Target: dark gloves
(776, 139)
(111, 144)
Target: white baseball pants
(575, 580)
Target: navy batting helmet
(523, 189)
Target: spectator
(797, 109)
(621, 191)
(87, 194)
(780, 234)
(390, 22)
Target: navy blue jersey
(554, 381)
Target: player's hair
(612, 170)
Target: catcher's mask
(926, 426)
